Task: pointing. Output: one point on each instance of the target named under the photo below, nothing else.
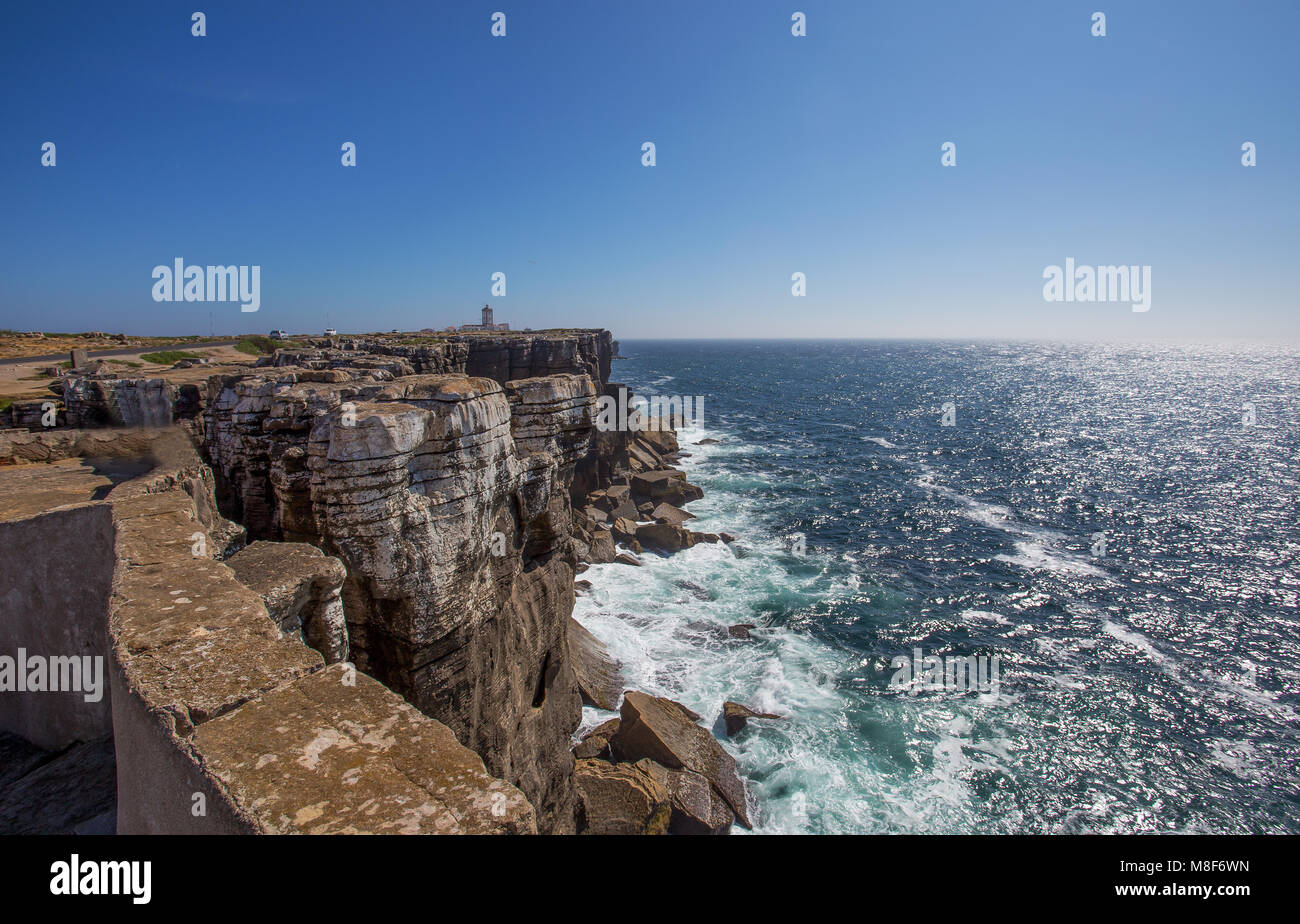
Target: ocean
(1118, 525)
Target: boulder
(301, 587)
(662, 440)
(667, 513)
(595, 743)
(727, 538)
(592, 749)
(734, 715)
(664, 536)
(707, 441)
(620, 799)
(662, 731)
(623, 558)
(601, 549)
(626, 509)
(606, 729)
(665, 485)
(696, 806)
(599, 682)
(741, 630)
(617, 493)
(624, 529)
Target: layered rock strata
(418, 510)
(220, 722)
(449, 497)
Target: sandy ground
(14, 345)
(24, 380)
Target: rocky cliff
(420, 507)
(442, 476)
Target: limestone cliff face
(92, 402)
(447, 498)
(503, 357)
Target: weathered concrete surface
(54, 586)
(332, 753)
(209, 694)
(31, 490)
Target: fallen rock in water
(667, 485)
(601, 549)
(620, 799)
(624, 529)
(667, 513)
(727, 538)
(741, 630)
(599, 681)
(735, 716)
(696, 806)
(664, 536)
(707, 441)
(664, 731)
(623, 558)
(581, 587)
(595, 743)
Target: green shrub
(167, 357)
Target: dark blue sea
(1118, 524)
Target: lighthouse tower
(487, 318)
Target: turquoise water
(1147, 682)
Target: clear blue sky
(776, 154)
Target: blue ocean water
(1149, 681)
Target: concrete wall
(55, 580)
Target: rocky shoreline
(423, 508)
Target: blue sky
(775, 154)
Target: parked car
(277, 335)
(331, 332)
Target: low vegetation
(262, 346)
(167, 357)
